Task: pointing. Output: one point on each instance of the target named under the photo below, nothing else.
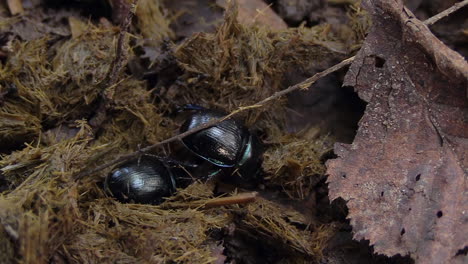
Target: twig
(113, 74)
(118, 63)
(240, 198)
(308, 82)
(446, 12)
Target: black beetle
(144, 180)
(228, 144)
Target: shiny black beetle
(144, 180)
(228, 144)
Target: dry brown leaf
(77, 26)
(256, 11)
(405, 175)
(15, 6)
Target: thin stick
(308, 82)
(240, 198)
(302, 85)
(116, 67)
(118, 63)
(446, 12)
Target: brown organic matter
(404, 176)
(87, 84)
(77, 98)
(256, 12)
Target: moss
(274, 222)
(153, 22)
(295, 164)
(243, 62)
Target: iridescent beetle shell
(227, 144)
(145, 180)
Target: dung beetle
(144, 180)
(228, 144)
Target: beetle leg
(213, 174)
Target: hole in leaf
(462, 251)
(379, 62)
(439, 214)
(418, 177)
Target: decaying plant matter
(70, 109)
(51, 211)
